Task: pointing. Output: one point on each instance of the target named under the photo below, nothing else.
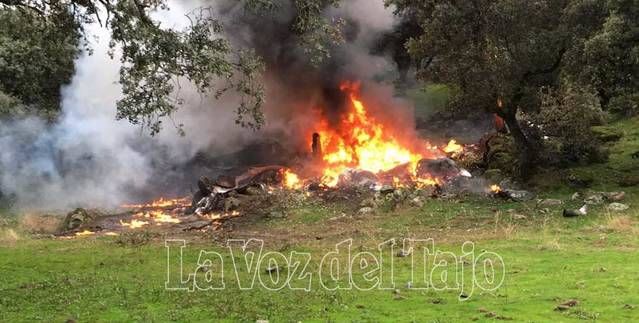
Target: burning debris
(355, 157)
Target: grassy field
(547, 260)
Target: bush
(565, 119)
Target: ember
(84, 233)
(134, 224)
(291, 180)
(161, 203)
(453, 147)
(158, 217)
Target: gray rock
(614, 196)
(520, 195)
(417, 201)
(594, 199)
(617, 207)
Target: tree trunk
(526, 149)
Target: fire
(291, 180)
(453, 147)
(161, 203)
(84, 233)
(360, 142)
(134, 224)
(159, 217)
(495, 188)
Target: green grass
(93, 280)
(548, 259)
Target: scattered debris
(617, 207)
(595, 199)
(76, 218)
(568, 213)
(510, 194)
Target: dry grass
(621, 223)
(8, 237)
(40, 223)
(550, 243)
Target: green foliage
(316, 33)
(567, 116)
(36, 59)
(155, 60)
(607, 57)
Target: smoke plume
(87, 158)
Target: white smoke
(89, 159)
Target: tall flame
(361, 142)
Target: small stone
(520, 195)
(519, 217)
(276, 215)
(366, 210)
(417, 202)
(617, 207)
(615, 196)
(594, 199)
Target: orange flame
(158, 217)
(495, 188)
(161, 203)
(291, 180)
(134, 224)
(453, 147)
(84, 233)
(360, 142)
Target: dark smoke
(88, 159)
